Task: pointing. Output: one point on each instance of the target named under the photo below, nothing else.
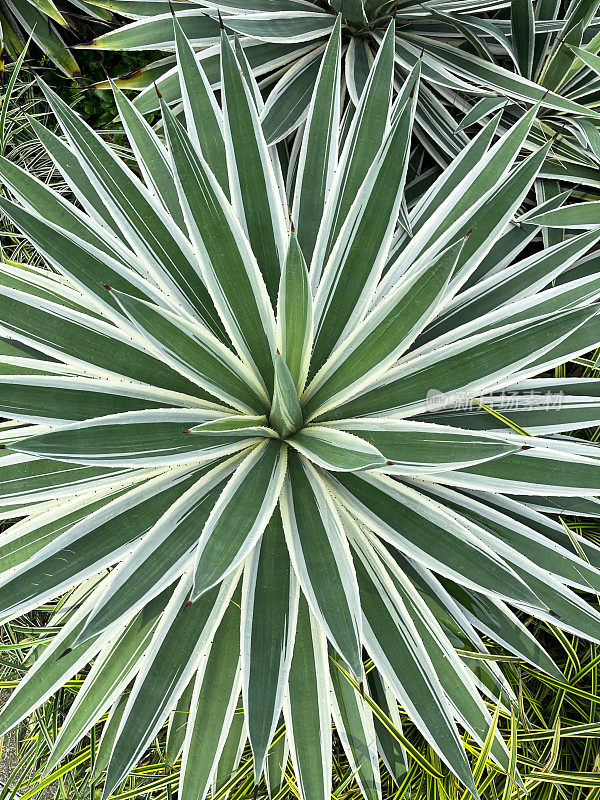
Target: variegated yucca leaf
(308, 445)
(478, 56)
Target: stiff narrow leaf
(397, 650)
(356, 261)
(318, 152)
(236, 427)
(336, 450)
(306, 708)
(167, 255)
(254, 193)
(269, 609)
(470, 366)
(295, 315)
(151, 155)
(378, 341)
(91, 543)
(523, 33)
(286, 414)
(192, 350)
(355, 726)
(321, 558)
(579, 215)
(227, 263)
(363, 140)
(412, 523)
(204, 120)
(212, 707)
(422, 447)
(141, 438)
(240, 515)
(108, 677)
(179, 640)
(163, 554)
(178, 726)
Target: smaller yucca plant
(235, 433)
(477, 56)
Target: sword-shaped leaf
(212, 708)
(43, 201)
(269, 609)
(357, 259)
(355, 726)
(382, 336)
(151, 155)
(27, 479)
(227, 263)
(90, 544)
(111, 673)
(321, 558)
(162, 555)
(319, 149)
(254, 192)
(56, 400)
(179, 640)
(287, 104)
(363, 140)
(467, 366)
(167, 256)
(295, 314)
(578, 215)
(56, 664)
(240, 515)
(85, 342)
(192, 350)
(397, 650)
(336, 450)
(421, 447)
(177, 728)
(236, 427)
(306, 708)
(282, 26)
(286, 414)
(450, 670)
(412, 522)
(156, 437)
(204, 119)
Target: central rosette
(286, 414)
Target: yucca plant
(476, 56)
(272, 449)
